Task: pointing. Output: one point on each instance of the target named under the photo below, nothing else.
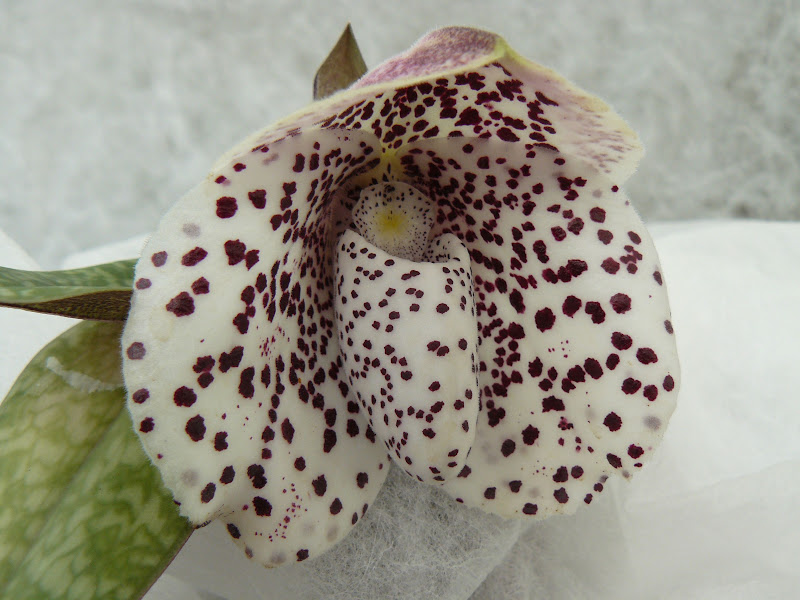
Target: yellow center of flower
(396, 217)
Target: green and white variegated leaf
(277, 350)
(83, 514)
(100, 292)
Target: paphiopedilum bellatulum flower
(435, 267)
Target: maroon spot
(612, 361)
(184, 396)
(196, 428)
(200, 286)
(597, 214)
(516, 301)
(576, 267)
(336, 506)
(320, 485)
(232, 359)
(300, 464)
(529, 435)
(235, 250)
(571, 305)
(605, 236)
(136, 351)
(646, 356)
(508, 447)
(181, 305)
(246, 388)
(220, 441)
(505, 134)
(193, 257)
(241, 322)
(529, 509)
(489, 493)
(657, 277)
(620, 341)
(650, 392)
(561, 495)
(669, 383)
(516, 331)
(597, 312)
(593, 368)
(287, 431)
(362, 479)
(159, 258)
(576, 472)
(203, 364)
(634, 237)
(631, 385)
(328, 440)
(302, 555)
(621, 303)
(299, 163)
(258, 198)
(139, 396)
(635, 451)
(575, 225)
(613, 421)
(545, 319)
(233, 531)
(576, 374)
(227, 475)
(263, 507)
(610, 266)
(668, 326)
(143, 283)
(146, 426)
(256, 475)
(250, 259)
(239, 167)
(208, 493)
(561, 475)
(226, 207)
(558, 233)
(552, 403)
(614, 460)
(535, 367)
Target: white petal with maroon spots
(233, 366)
(408, 336)
(578, 366)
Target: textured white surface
(111, 111)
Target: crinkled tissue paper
(715, 515)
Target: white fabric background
(109, 111)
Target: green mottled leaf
(342, 68)
(100, 292)
(83, 513)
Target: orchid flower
(435, 267)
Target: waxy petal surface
(578, 364)
(408, 336)
(231, 359)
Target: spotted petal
(578, 364)
(231, 359)
(409, 341)
(240, 390)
